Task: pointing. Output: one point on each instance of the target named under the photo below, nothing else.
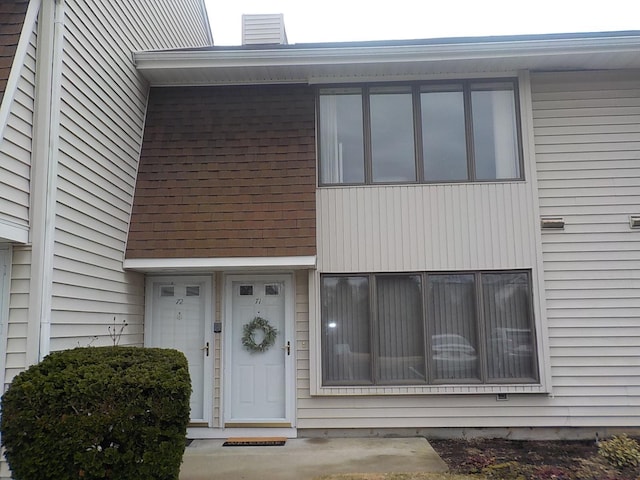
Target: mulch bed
(529, 460)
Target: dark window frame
(416, 90)
(480, 323)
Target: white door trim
(208, 320)
(289, 309)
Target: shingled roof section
(12, 14)
(226, 172)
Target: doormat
(255, 442)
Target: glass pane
(452, 321)
(495, 137)
(341, 139)
(511, 339)
(193, 291)
(400, 337)
(345, 330)
(443, 136)
(392, 146)
(166, 291)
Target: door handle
(206, 349)
(287, 347)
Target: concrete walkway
(308, 458)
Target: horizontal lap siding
(588, 172)
(103, 108)
(15, 176)
(226, 172)
(587, 129)
(19, 289)
(302, 341)
(15, 147)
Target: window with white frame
(428, 329)
(459, 131)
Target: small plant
(621, 451)
(116, 334)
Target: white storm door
(180, 318)
(259, 383)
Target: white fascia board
(13, 232)
(210, 264)
(389, 54)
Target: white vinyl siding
(102, 112)
(15, 147)
(15, 360)
(587, 141)
(587, 130)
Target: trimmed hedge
(98, 413)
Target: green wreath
(270, 334)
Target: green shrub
(620, 451)
(98, 413)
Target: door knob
(287, 347)
(206, 349)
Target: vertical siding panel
(426, 227)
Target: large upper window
(453, 132)
(428, 328)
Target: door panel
(180, 320)
(258, 380)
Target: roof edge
(463, 48)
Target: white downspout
(44, 175)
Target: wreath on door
(249, 329)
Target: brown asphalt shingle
(226, 172)
(12, 14)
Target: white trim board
(219, 433)
(13, 232)
(185, 265)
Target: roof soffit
(318, 63)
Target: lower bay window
(428, 329)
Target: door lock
(287, 347)
(206, 349)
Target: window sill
(429, 390)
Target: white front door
(179, 317)
(259, 383)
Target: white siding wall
(587, 145)
(15, 360)
(101, 125)
(587, 131)
(15, 147)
